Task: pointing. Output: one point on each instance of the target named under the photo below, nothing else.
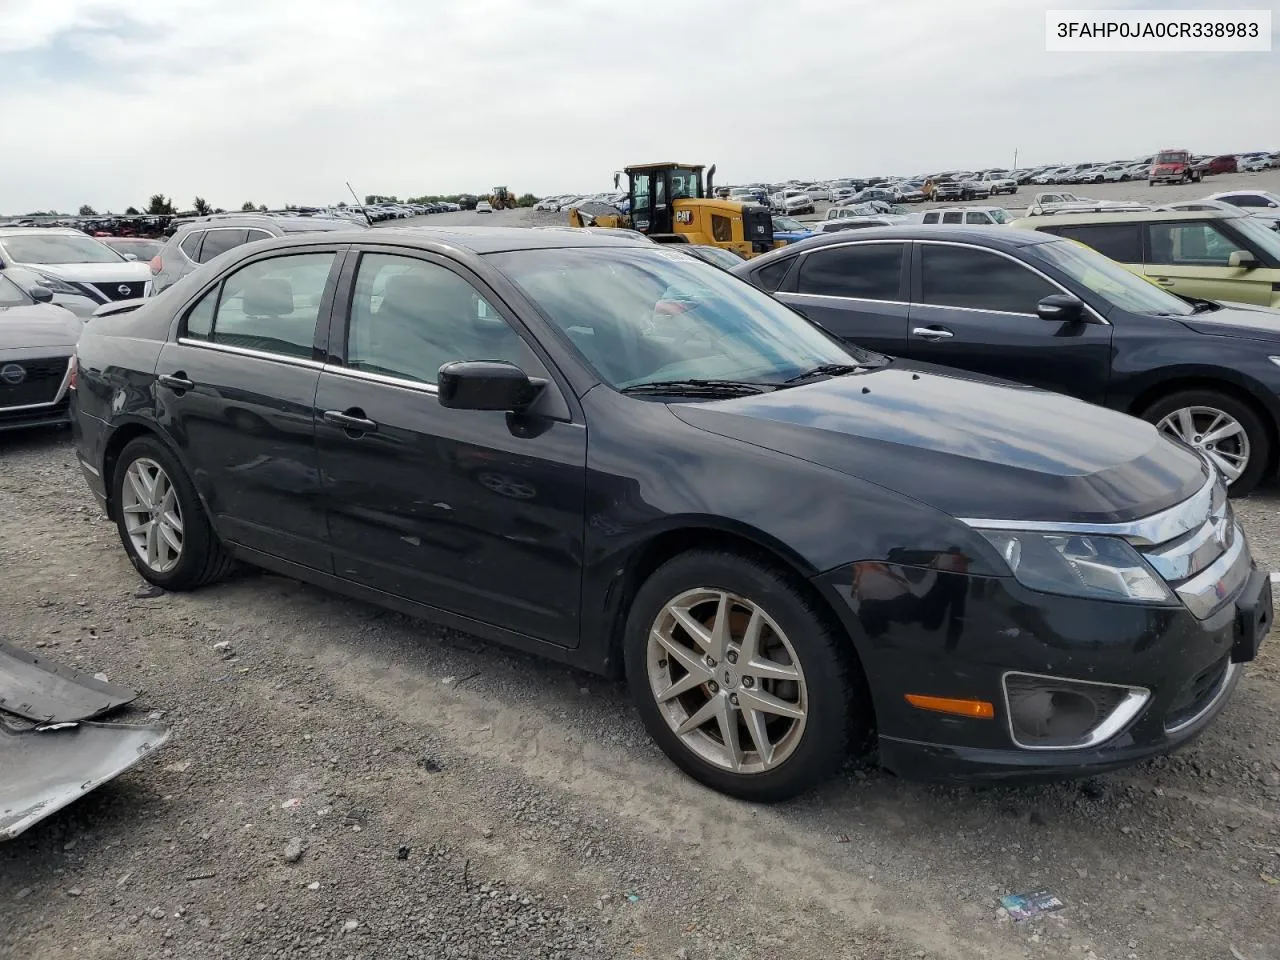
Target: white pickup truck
(999, 182)
(1049, 203)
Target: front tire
(1226, 430)
(741, 678)
(162, 523)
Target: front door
(475, 512)
(975, 309)
(1193, 258)
(236, 389)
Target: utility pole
(1015, 158)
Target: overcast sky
(275, 101)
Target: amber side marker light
(977, 709)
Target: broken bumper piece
(47, 692)
(44, 769)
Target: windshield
(788, 223)
(1262, 235)
(1109, 280)
(142, 249)
(1000, 215)
(640, 316)
(56, 248)
(1171, 158)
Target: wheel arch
(690, 534)
(1207, 380)
(124, 434)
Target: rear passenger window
(220, 241)
(770, 278)
(1119, 241)
(191, 244)
(979, 280)
(270, 306)
(952, 216)
(868, 271)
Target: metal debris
(40, 689)
(45, 770)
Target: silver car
(37, 340)
(200, 241)
(82, 272)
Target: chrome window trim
(247, 352)
(57, 399)
(836, 296)
(1148, 531)
(1224, 686)
(381, 378)
(1022, 263)
(1125, 712)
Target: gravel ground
(346, 782)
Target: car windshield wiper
(824, 370)
(695, 388)
(1204, 306)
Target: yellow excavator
(670, 203)
(502, 199)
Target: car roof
(997, 237)
(44, 231)
(1138, 216)
(477, 240)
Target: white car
(818, 192)
(792, 201)
(999, 181)
(969, 216)
(1252, 164)
(1261, 203)
(484, 206)
(82, 272)
(876, 220)
(1049, 203)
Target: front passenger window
(410, 317)
(954, 276)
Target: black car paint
(812, 476)
(1118, 358)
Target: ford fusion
(621, 458)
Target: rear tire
(764, 755)
(1201, 406)
(162, 523)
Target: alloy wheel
(1216, 434)
(727, 680)
(152, 515)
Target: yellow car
(1208, 254)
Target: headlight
(59, 286)
(1101, 568)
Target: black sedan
(622, 458)
(1050, 313)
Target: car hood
(36, 326)
(967, 445)
(1242, 320)
(128, 271)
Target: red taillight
(156, 265)
(74, 369)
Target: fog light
(1050, 713)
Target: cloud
(284, 100)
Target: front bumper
(954, 635)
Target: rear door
(237, 388)
(975, 308)
(857, 291)
(1192, 258)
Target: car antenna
(359, 204)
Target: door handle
(175, 381)
(932, 333)
(352, 421)
(1164, 281)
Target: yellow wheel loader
(670, 203)
(502, 199)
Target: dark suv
(1051, 313)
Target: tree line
(160, 205)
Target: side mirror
(485, 385)
(41, 294)
(1244, 259)
(1060, 308)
